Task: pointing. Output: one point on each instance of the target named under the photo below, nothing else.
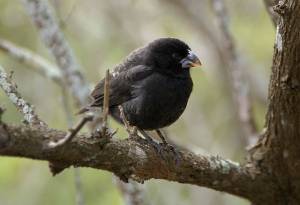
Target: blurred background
(102, 33)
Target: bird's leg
(132, 130)
(161, 147)
(147, 137)
(161, 136)
(156, 146)
(168, 146)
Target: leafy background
(101, 34)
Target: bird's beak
(190, 61)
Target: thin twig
(72, 133)
(132, 192)
(32, 60)
(78, 186)
(239, 88)
(77, 179)
(125, 121)
(131, 130)
(106, 98)
(15, 97)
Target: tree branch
(44, 20)
(239, 89)
(32, 60)
(24, 107)
(130, 159)
(277, 153)
(132, 192)
(78, 186)
(43, 17)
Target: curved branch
(131, 159)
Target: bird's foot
(166, 147)
(163, 150)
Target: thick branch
(278, 151)
(130, 159)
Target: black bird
(153, 85)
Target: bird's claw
(168, 147)
(163, 150)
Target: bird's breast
(159, 101)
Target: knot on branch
(57, 167)
(290, 83)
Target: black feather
(151, 85)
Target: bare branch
(24, 107)
(131, 159)
(72, 133)
(32, 60)
(77, 178)
(132, 192)
(106, 99)
(78, 186)
(46, 69)
(43, 18)
(239, 88)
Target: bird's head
(171, 55)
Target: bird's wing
(121, 87)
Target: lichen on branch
(15, 97)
